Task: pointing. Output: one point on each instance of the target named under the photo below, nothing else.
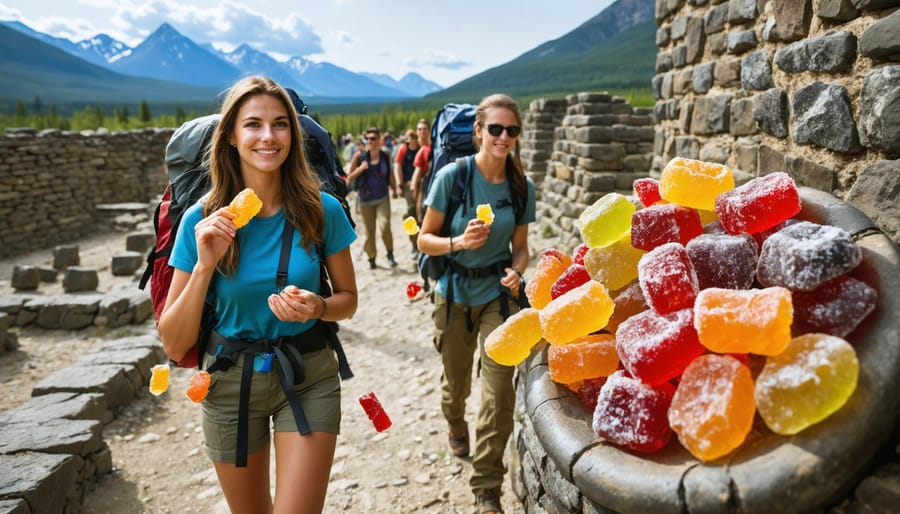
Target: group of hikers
(264, 282)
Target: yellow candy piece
(577, 313)
(512, 341)
(245, 206)
(614, 266)
(159, 380)
(810, 380)
(693, 183)
(606, 221)
(485, 213)
(410, 226)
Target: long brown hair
(299, 184)
(515, 171)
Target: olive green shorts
(319, 394)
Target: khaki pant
(494, 425)
(381, 212)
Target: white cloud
(438, 59)
(9, 13)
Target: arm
(356, 168)
(520, 258)
(431, 243)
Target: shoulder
(329, 202)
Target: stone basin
(806, 472)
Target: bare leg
(302, 469)
(247, 490)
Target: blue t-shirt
(498, 247)
(242, 305)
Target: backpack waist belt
(288, 352)
(491, 270)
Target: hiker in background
(387, 143)
(258, 144)
(422, 164)
(488, 261)
(403, 173)
(371, 174)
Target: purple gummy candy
(667, 278)
(836, 307)
(805, 255)
(714, 227)
(664, 223)
(656, 348)
(723, 260)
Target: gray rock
(745, 156)
(17, 506)
(702, 77)
(47, 274)
(742, 122)
(62, 436)
(715, 18)
(680, 56)
(42, 480)
(65, 256)
(112, 382)
(25, 277)
(875, 194)
(770, 160)
(44, 408)
(740, 41)
(711, 114)
(695, 40)
(873, 5)
(879, 109)
(687, 147)
(740, 11)
(770, 110)
(823, 116)
(728, 72)
(126, 263)
(832, 53)
(140, 241)
(78, 278)
(837, 10)
(756, 71)
(808, 173)
(73, 311)
(141, 359)
(662, 37)
(678, 28)
(789, 21)
(713, 152)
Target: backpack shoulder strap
(457, 193)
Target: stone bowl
(806, 472)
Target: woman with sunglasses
(489, 262)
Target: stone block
(679, 56)
(740, 41)
(742, 122)
(829, 54)
(808, 173)
(70, 312)
(823, 116)
(686, 109)
(715, 18)
(702, 77)
(663, 62)
(687, 147)
(47, 274)
(42, 480)
(25, 277)
(837, 11)
(873, 5)
(78, 278)
(126, 263)
(678, 28)
(745, 157)
(714, 152)
(770, 160)
(140, 241)
(655, 87)
(112, 381)
(47, 407)
(875, 194)
(590, 108)
(789, 21)
(711, 114)
(681, 83)
(770, 110)
(58, 436)
(728, 72)
(756, 71)
(662, 36)
(879, 109)
(65, 256)
(717, 43)
(740, 11)
(666, 88)
(695, 40)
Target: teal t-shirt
(242, 307)
(478, 291)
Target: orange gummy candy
(628, 302)
(198, 387)
(577, 313)
(744, 321)
(245, 206)
(159, 380)
(694, 183)
(550, 266)
(592, 356)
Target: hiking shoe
(459, 444)
(391, 261)
(372, 264)
(488, 502)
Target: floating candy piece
(805, 255)
(512, 341)
(159, 379)
(614, 266)
(413, 289)
(744, 321)
(198, 387)
(574, 276)
(656, 348)
(606, 221)
(375, 412)
(628, 302)
(836, 307)
(723, 260)
(581, 311)
(591, 356)
(813, 378)
(664, 223)
(693, 183)
(712, 411)
(759, 204)
(550, 266)
(667, 278)
(410, 226)
(647, 191)
(484, 212)
(245, 206)
(632, 414)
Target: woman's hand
(295, 304)
(214, 235)
(474, 237)
(512, 281)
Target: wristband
(518, 273)
(451, 244)
(324, 306)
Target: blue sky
(444, 41)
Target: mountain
(254, 62)
(102, 49)
(412, 84)
(616, 49)
(326, 79)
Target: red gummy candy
(588, 391)
(668, 279)
(759, 204)
(647, 191)
(375, 412)
(632, 414)
(664, 223)
(657, 348)
(578, 253)
(413, 288)
(574, 276)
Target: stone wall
(52, 181)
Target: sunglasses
(495, 129)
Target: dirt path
(159, 465)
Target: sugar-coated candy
(707, 217)
(375, 412)
(159, 379)
(551, 264)
(410, 226)
(198, 386)
(615, 265)
(761, 203)
(712, 411)
(245, 206)
(714, 227)
(588, 357)
(723, 260)
(572, 277)
(664, 223)
(588, 391)
(656, 348)
(512, 341)
(647, 190)
(632, 414)
(579, 252)
(667, 278)
(484, 213)
(836, 307)
(605, 221)
(627, 302)
(813, 378)
(580, 312)
(760, 237)
(744, 321)
(413, 289)
(805, 255)
(693, 183)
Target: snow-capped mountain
(411, 83)
(253, 62)
(102, 49)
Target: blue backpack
(451, 137)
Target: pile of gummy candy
(723, 305)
